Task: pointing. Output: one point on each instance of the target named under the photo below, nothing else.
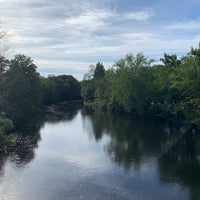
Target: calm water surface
(98, 156)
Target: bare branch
(3, 38)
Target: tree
(23, 90)
(131, 80)
(131, 61)
(90, 74)
(87, 90)
(171, 60)
(3, 38)
(92, 83)
(60, 88)
(99, 71)
(4, 64)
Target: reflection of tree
(2, 164)
(131, 139)
(182, 164)
(23, 152)
(97, 120)
(61, 112)
(30, 125)
(27, 141)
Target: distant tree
(131, 61)
(92, 82)
(195, 52)
(170, 60)
(60, 88)
(99, 71)
(90, 74)
(4, 64)
(87, 90)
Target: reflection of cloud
(65, 145)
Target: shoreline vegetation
(133, 85)
(24, 94)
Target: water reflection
(181, 164)
(134, 141)
(81, 154)
(61, 112)
(27, 141)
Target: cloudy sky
(66, 36)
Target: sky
(67, 36)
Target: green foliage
(5, 140)
(99, 71)
(22, 89)
(92, 85)
(170, 60)
(60, 88)
(170, 91)
(6, 124)
(87, 90)
(131, 61)
(133, 85)
(6, 128)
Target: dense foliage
(6, 127)
(60, 88)
(23, 92)
(170, 91)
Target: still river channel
(99, 156)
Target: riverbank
(184, 126)
(12, 137)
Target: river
(100, 156)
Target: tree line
(23, 93)
(136, 85)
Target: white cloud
(88, 32)
(185, 25)
(138, 16)
(96, 19)
(91, 20)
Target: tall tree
(99, 71)
(23, 89)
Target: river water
(98, 156)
